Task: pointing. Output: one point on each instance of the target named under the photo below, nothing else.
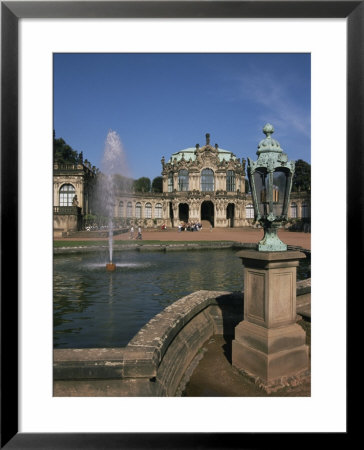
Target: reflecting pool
(96, 308)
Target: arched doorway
(230, 213)
(207, 211)
(183, 211)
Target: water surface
(96, 308)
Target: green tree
(142, 184)
(302, 177)
(63, 153)
(157, 184)
(122, 183)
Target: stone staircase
(206, 225)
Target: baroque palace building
(73, 189)
(200, 184)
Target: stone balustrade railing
(155, 361)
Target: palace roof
(190, 153)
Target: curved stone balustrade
(155, 361)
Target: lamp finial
(268, 129)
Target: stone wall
(63, 223)
(155, 360)
(170, 203)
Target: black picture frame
(11, 12)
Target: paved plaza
(244, 235)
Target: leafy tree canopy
(157, 184)
(64, 153)
(142, 184)
(122, 183)
(302, 176)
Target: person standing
(132, 232)
(139, 233)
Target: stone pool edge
(166, 247)
(154, 362)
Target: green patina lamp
(270, 179)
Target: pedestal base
(271, 356)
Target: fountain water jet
(113, 163)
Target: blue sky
(161, 103)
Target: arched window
(305, 210)
(230, 181)
(121, 209)
(129, 210)
(294, 210)
(138, 210)
(158, 211)
(66, 194)
(148, 210)
(207, 180)
(170, 182)
(249, 211)
(183, 180)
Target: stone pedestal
(268, 343)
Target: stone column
(175, 205)
(269, 345)
(56, 194)
(165, 183)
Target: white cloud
(275, 95)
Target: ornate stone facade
(73, 186)
(199, 184)
(145, 209)
(204, 183)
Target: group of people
(190, 226)
(139, 235)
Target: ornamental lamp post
(270, 179)
(269, 345)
